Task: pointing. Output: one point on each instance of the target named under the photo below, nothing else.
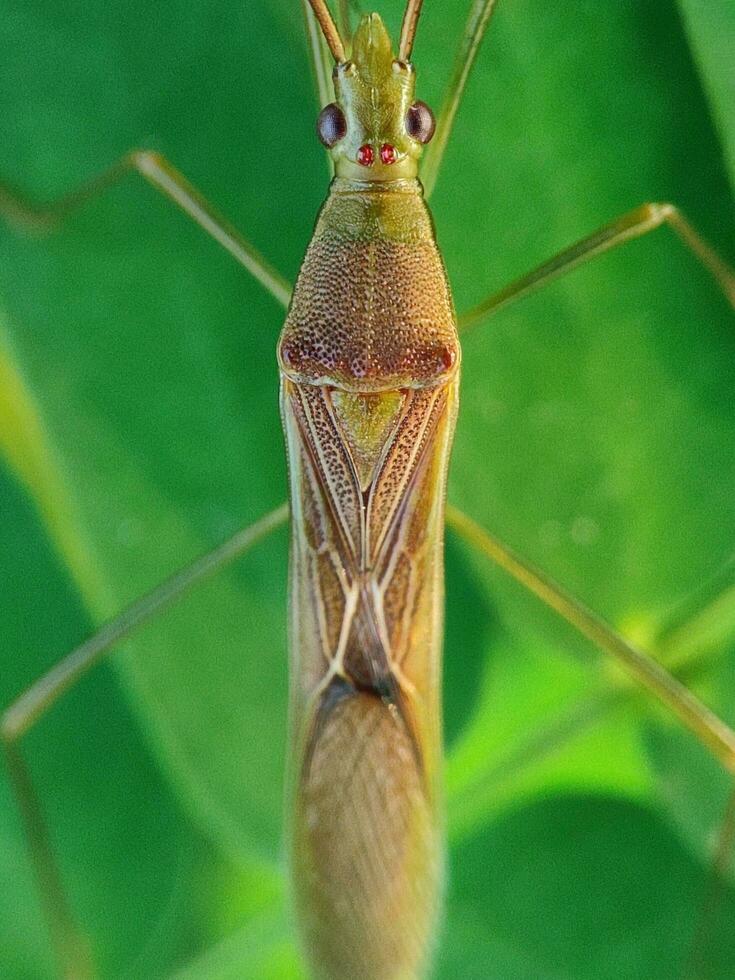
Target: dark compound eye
(331, 125)
(420, 123)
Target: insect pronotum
(369, 360)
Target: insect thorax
(372, 309)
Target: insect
(388, 697)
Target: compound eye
(331, 125)
(420, 123)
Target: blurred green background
(596, 435)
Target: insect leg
(166, 179)
(686, 643)
(650, 674)
(718, 737)
(634, 224)
(474, 31)
(31, 705)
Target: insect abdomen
(369, 360)
(367, 848)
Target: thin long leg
(474, 30)
(718, 737)
(73, 952)
(634, 224)
(687, 646)
(166, 179)
(702, 722)
(548, 739)
(687, 643)
(22, 714)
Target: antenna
(329, 29)
(408, 29)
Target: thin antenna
(329, 29)
(477, 20)
(408, 29)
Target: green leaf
(126, 853)
(264, 949)
(595, 434)
(711, 27)
(604, 890)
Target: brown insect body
(370, 368)
(369, 361)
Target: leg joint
(146, 161)
(660, 211)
